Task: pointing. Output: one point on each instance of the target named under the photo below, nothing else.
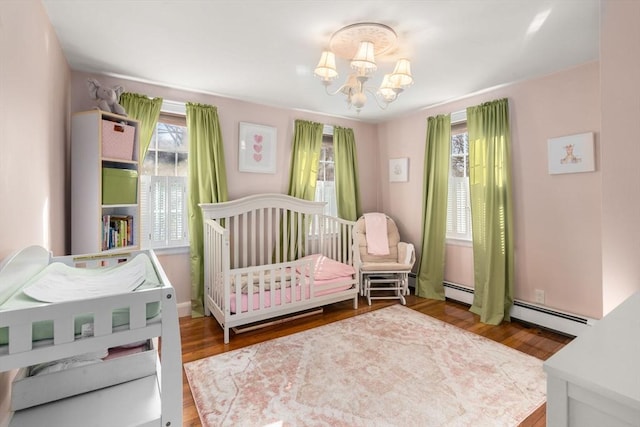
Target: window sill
(459, 242)
(173, 250)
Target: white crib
(271, 255)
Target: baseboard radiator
(556, 320)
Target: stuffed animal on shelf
(108, 98)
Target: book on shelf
(117, 231)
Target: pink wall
(557, 217)
(34, 99)
(620, 87)
(34, 82)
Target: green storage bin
(119, 186)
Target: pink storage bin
(117, 140)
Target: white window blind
(164, 216)
(325, 183)
(458, 206)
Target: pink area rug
(390, 367)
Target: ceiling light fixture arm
(376, 97)
(337, 91)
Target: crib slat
(286, 231)
(272, 286)
(252, 247)
(339, 240)
(235, 243)
(237, 291)
(297, 227)
(261, 305)
(283, 288)
(269, 232)
(240, 238)
(260, 236)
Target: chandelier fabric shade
(402, 73)
(360, 43)
(387, 89)
(326, 68)
(365, 58)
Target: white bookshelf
(87, 162)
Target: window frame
(175, 114)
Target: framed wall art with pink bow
(257, 148)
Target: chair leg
(396, 282)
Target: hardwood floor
(202, 337)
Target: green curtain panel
(305, 154)
(346, 174)
(491, 210)
(145, 110)
(430, 275)
(303, 174)
(207, 184)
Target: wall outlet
(539, 295)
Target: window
(163, 185)
(325, 184)
(458, 206)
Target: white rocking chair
(385, 274)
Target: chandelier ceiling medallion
(361, 43)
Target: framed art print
(571, 154)
(399, 170)
(257, 148)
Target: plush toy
(107, 97)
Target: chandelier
(361, 43)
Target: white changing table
(151, 400)
(594, 381)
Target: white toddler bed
(135, 389)
(271, 255)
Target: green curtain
(305, 154)
(303, 174)
(145, 110)
(491, 210)
(346, 174)
(207, 184)
(434, 210)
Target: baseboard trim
(545, 317)
(184, 309)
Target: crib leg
(355, 302)
(226, 335)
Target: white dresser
(595, 380)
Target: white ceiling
(264, 51)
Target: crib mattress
(43, 330)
